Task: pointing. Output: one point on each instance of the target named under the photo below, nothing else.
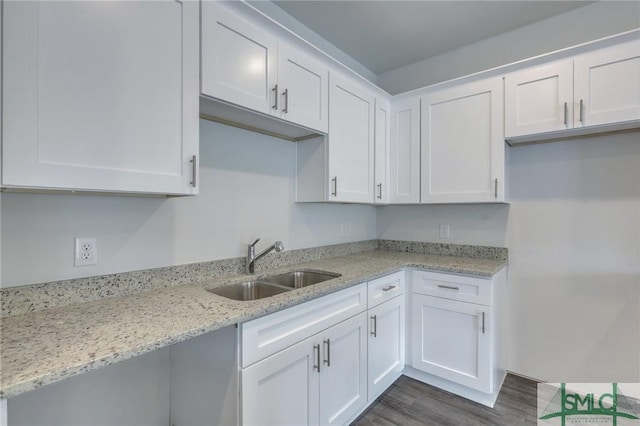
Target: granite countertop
(47, 346)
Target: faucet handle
(254, 243)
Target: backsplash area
(38, 297)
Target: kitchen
(571, 225)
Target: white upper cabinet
(404, 155)
(248, 67)
(100, 96)
(462, 144)
(607, 85)
(539, 99)
(303, 86)
(591, 93)
(239, 60)
(351, 141)
(382, 146)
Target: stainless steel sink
(299, 279)
(249, 290)
(272, 285)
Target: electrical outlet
(86, 252)
(346, 230)
(444, 231)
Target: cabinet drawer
(267, 335)
(385, 288)
(455, 287)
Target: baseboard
(488, 399)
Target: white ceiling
(385, 35)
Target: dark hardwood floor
(408, 402)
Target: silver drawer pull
(374, 327)
(391, 287)
(316, 366)
(328, 360)
(448, 287)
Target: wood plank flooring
(411, 403)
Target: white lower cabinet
(458, 333)
(386, 345)
(452, 340)
(321, 380)
(283, 389)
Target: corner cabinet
(381, 151)
(458, 335)
(462, 144)
(404, 155)
(100, 96)
(595, 92)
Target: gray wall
(578, 26)
(246, 192)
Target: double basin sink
(271, 285)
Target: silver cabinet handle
(194, 170)
(286, 101)
(391, 287)
(566, 112)
(483, 323)
(335, 186)
(328, 360)
(275, 93)
(374, 330)
(581, 110)
(448, 287)
(495, 187)
(380, 191)
(317, 365)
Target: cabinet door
(283, 389)
(404, 156)
(462, 144)
(607, 85)
(100, 96)
(303, 85)
(539, 99)
(351, 129)
(238, 60)
(386, 345)
(343, 377)
(382, 146)
(451, 340)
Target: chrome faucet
(252, 257)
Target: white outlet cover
(444, 231)
(86, 251)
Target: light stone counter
(47, 346)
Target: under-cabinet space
(189, 383)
